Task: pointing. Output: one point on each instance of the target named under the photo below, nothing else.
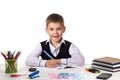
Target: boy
(55, 51)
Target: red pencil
(3, 55)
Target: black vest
(63, 53)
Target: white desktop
(44, 73)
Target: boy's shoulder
(66, 41)
(44, 42)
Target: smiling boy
(55, 51)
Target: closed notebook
(105, 68)
(107, 65)
(108, 60)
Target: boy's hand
(52, 63)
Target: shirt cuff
(42, 63)
(64, 61)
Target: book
(107, 63)
(105, 68)
(107, 60)
(104, 64)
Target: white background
(92, 25)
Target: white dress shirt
(34, 58)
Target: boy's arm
(52, 63)
(34, 58)
(77, 59)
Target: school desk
(22, 69)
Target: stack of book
(107, 63)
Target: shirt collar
(62, 41)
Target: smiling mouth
(55, 36)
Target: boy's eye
(51, 29)
(58, 28)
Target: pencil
(48, 54)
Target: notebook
(105, 68)
(108, 60)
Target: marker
(5, 53)
(32, 75)
(92, 70)
(17, 75)
(9, 55)
(48, 54)
(17, 55)
(13, 54)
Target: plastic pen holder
(10, 66)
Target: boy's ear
(64, 29)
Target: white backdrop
(92, 25)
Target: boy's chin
(57, 40)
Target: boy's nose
(55, 31)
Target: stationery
(10, 61)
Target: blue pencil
(48, 54)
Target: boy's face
(55, 31)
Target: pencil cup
(11, 66)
